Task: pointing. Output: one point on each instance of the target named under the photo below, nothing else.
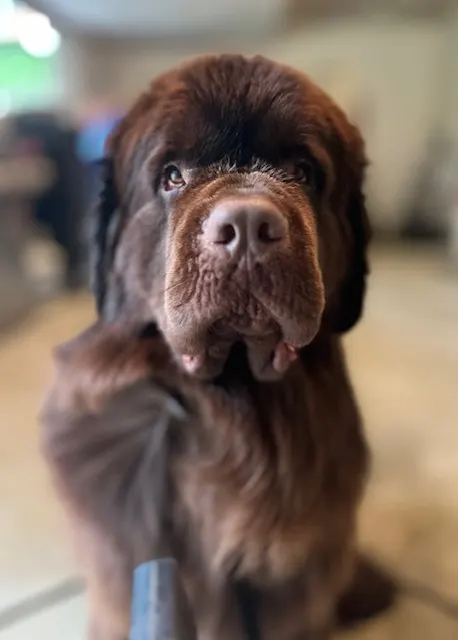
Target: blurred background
(68, 71)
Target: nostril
(267, 234)
(268, 228)
(226, 234)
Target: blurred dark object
(428, 218)
(60, 209)
(23, 177)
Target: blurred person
(60, 208)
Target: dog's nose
(245, 224)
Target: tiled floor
(404, 358)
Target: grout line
(40, 602)
(423, 592)
(417, 589)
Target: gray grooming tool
(159, 607)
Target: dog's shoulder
(106, 426)
(100, 363)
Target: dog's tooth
(284, 356)
(192, 363)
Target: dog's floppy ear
(106, 216)
(125, 150)
(348, 301)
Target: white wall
(389, 74)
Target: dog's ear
(348, 301)
(106, 217)
(352, 290)
(125, 151)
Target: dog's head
(233, 211)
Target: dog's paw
(371, 593)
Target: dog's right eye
(173, 178)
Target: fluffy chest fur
(237, 479)
(273, 472)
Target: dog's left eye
(173, 178)
(304, 173)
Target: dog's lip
(282, 357)
(192, 346)
(202, 348)
(193, 363)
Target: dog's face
(233, 213)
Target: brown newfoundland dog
(208, 414)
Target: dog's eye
(173, 178)
(305, 174)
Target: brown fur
(237, 477)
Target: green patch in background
(29, 81)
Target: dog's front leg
(106, 427)
(108, 582)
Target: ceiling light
(36, 35)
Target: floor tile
(63, 622)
